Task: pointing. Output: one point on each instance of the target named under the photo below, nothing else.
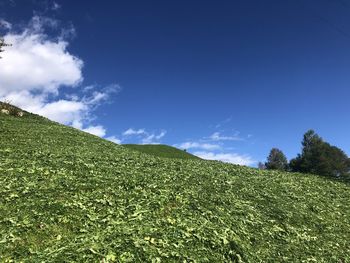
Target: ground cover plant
(67, 196)
(7, 108)
(160, 150)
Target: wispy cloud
(144, 136)
(226, 157)
(224, 122)
(198, 145)
(131, 131)
(97, 130)
(218, 147)
(55, 6)
(216, 136)
(153, 138)
(114, 139)
(5, 24)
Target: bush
(7, 108)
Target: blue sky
(227, 80)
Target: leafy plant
(160, 150)
(67, 196)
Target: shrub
(7, 108)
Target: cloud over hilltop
(36, 69)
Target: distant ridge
(161, 150)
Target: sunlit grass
(69, 196)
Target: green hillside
(67, 196)
(161, 151)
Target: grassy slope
(161, 151)
(69, 196)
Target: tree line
(316, 157)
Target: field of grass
(67, 196)
(161, 150)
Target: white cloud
(97, 130)
(5, 25)
(74, 111)
(63, 111)
(224, 122)
(216, 136)
(88, 88)
(197, 145)
(131, 131)
(114, 139)
(144, 136)
(36, 63)
(55, 6)
(153, 138)
(218, 147)
(35, 68)
(226, 157)
(161, 135)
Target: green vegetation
(161, 151)
(67, 196)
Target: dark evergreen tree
(319, 157)
(276, 160)
(295, 164)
